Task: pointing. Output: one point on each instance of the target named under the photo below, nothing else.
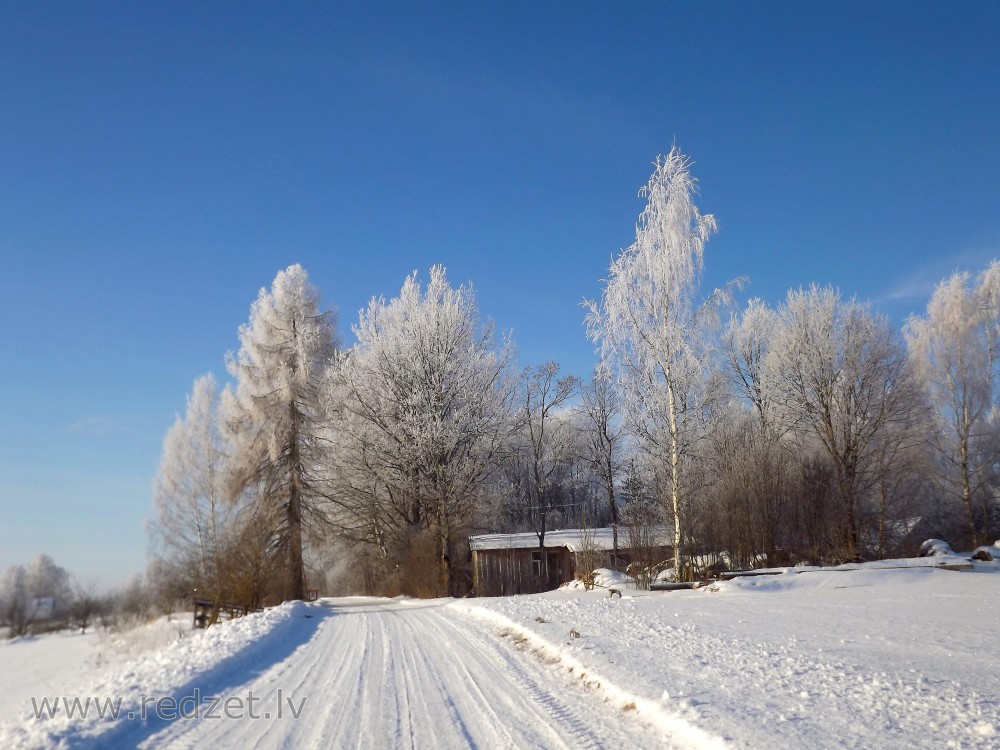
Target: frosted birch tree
(273, 414)
(653, 331)
(425, 398)
(192, 511)
(955, 347)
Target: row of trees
(810, 429)
(40, 592)
(42, 597)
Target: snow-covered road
(384, 674)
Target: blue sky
(159, 163)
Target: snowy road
(389, 674)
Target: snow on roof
(572, 539)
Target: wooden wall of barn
(504, 572)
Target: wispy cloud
(93, 426)
(918, 283)
(913, 287)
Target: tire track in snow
(558, 711)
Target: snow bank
(650, 711)
(211, 660)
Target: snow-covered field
(860, 659)
(51, 664)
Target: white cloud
(96, 426)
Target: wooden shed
(505, 564)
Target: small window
(536, 564)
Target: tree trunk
(613, 507)
(444, 546)
(967, 491)
(675, 481)
(882, 509)
(850, 525)
(296, 569)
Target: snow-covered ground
(853, 658)
(51, 664)
(862, 658)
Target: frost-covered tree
(839, 376)
(40, 591)
(654, 332)
(752, 465)
(955, 347)
(748, 339)
(192, 510)
(133, 601)
(544, 447)
(86, 605)
(424, 402)
(15, 605)
(603, 434)
(642, 516)
(273, 416)
(49, 588)
(902, 475)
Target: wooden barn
(505, 564)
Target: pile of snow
(667, 575)
(123, 643)
(604, 578)
(863, 656)
(150, 664)
(935, 548)
(988, 553)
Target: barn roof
(572, 539)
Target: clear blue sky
(160, 162)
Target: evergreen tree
(273, 415)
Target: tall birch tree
(653, 331)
